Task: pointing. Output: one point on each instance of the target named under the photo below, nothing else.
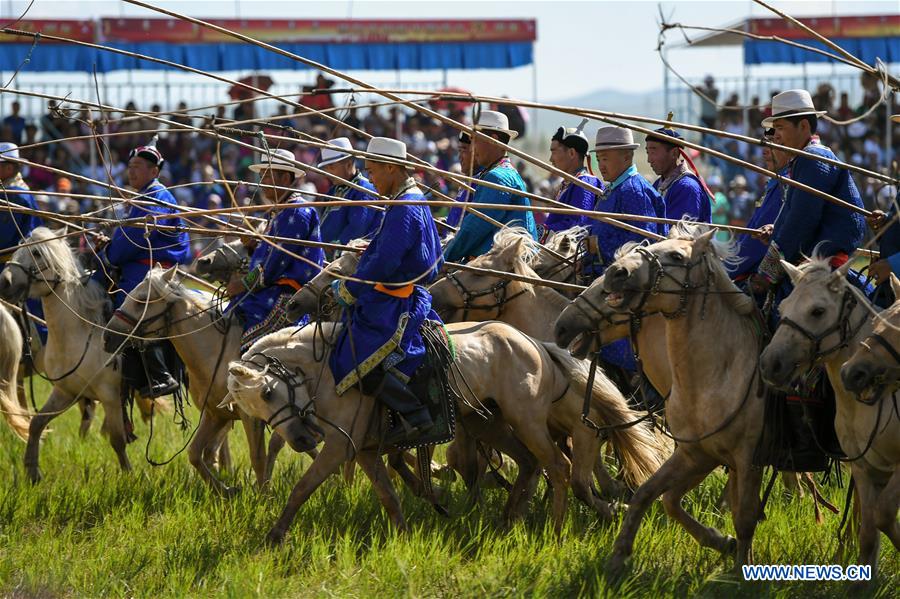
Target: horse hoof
(617, 567)
(729, 546)
(275, 538)
(34, 475)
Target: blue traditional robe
(274, 275)
(576, 197)
(382, 324)
(14, 227)
(462, 196)
(476, 236)
(342, 223)
(630, 193)
(133, 253)
(684, 195)
(750, 250)
(807, 220)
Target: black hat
(148, 153)
(573, 137)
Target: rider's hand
(880, 271)
(876, 220)
(100, 240)
(764, 233)
(235, 287)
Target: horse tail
(17, 416)
(641, 451)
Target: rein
(498, 290)
(841, 325)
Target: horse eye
(676, 256)
(818, 312)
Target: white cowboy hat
(278, 160)
(491, 120)
(387, 150)
(8, 150)
(794, 102)
(614, 138)
(332, 155)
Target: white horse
(715, 409)
(15, 410)
(824, 321)
(74, 358)
(160, 307)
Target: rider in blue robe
(455, 215)
(15, 226)
(568, 149)
(476, 236)
(133, 251)
(343, 223)
(680, 186)
(278, 268)
(381, 347)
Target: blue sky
(581, 47)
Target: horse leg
(745, 513)
(371, 464)
(669, 476)
(868, 532)
(671, 500)
(114, 427)
(609, 486)
(256, 441)
(792, 480)
(208, 430)
(886, 509)
(224, 453)
(276, 444)
(57, 403)
(537, 439)
(87, 416)
(333, 454)
(585, 456)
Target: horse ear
(227, 403)
(839, 275)
(792, 271)
(62, 231)
(895, 285)
(170, 275)
(701, 244)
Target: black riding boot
(160, 380)
(805, 453)
(412, 415)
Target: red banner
(325, 30)
(83, 31)
(830, 27)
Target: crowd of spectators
(195, 161)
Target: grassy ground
(89, 530)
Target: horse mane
(87, 299)
(511, 236)
(196, 298)
(573, 235)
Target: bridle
(33, 273)
(499, 291)
(138, 324)
(841, 325)
(292, 380)
(658, 273)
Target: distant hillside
(644, 103)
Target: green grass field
(89, 530)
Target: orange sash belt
(401, 292)
(289, 283)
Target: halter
(498, 290)
(291, 380)
(138, 324)
(33, 273)
(659, 272)
(841, 325)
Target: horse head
(816, 320)
(589, 322)
(222, 262)
(315, 296)
(268, 384)
(149, 302)
(875, 366)
(36, 269)
(470, 295)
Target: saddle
(431, 383)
